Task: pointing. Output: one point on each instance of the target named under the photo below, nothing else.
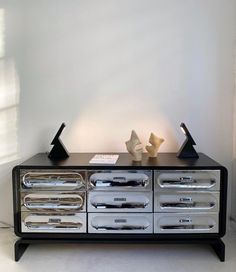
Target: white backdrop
(107, 67)
(233, 204)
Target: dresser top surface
(163, 160)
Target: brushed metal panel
(53, 201)
(186, 223)
(53, 223)
(53, 179)
(119, 201)
(120, 180)
(120, 223)
(187, 180)
(179, 201)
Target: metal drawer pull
(121, 227)
(120, 223)
(32, 183)
(116, 183)
(53, 225)
(127, 205)
(33, 201)
(125, 179)
(46, 180)
(188, 182)
(196, 205)
(187, 227)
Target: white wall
(10, 53)
(233, 202)
(106, 67)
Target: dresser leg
(219, 248)
(20, 247)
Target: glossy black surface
(164, 161)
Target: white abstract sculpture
(134, 146)
(155, 145)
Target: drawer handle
(187, 227)
(188, 182)
(120, 183)
(36, 183)
(184, 205)
(125, 205)
(120, 227)
(47, 180)
(50, 225)
(53, 202)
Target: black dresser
(158, 200)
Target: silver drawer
(120, 202)
(120, 180)
(120, 223)
(51, 201)
(190, 180)
(53, 180)
(186, 223)
(186, 202)
(48, 223)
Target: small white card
(104, 159)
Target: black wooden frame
(212, 239)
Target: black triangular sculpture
(187, 150)
(58, 152)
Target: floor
(111, 258)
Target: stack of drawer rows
(53, 201)
(142, 201)
(120, 202)
(186, 202)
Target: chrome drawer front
(52, 223)
(186, 202)
(53, 180)
(120, 202)
(186, 223)
(120, 223)
(120, 180)
(191, 180)
(46, 201)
